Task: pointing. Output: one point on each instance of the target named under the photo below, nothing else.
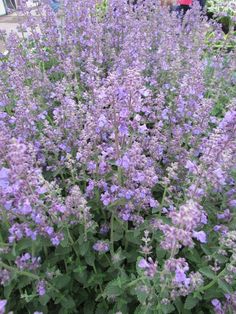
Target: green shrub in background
(224, 11)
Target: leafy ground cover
(117, 162)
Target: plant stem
(112, 234)
(210, 284)
(134, 282)
(20, 272)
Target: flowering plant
(117, 163)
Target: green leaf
(101, 308)
(167, 308)
(23, 245)
(142, 294)
(90, 258)
(113, 289)
(194, 256)
(220, 258)
(65, 242)
(224, 286)
(155, 210)
(213, 293)
(80, 269)
(68, 303)
(206, 271)
(95, 280)
(44, 299)
(160, 253)
(179, 305)
(89, 307)
(24, 281)
(84, 248)
(61, 281)
(143, 309)
(8, 290)
(131, 237)
(63, 250)
(190, 302)
(118, 231)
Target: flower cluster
(181, 282)
(26, 261)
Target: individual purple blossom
(125, 215)
(191, 166)
(226, 215)
(2, 306)
(4, 178)
(101, 246)
(91, 166)
(143, 264)
(217, 306)
(41, 288)
(232, 203)
(123, 162)
(56, 240)
(4, 276)
(200, 236)
(26, 208)
(181, 278)
(149, 266)
(104, 229)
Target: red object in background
(185, 2)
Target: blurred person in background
(182, 6)
(178, 5)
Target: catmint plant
(117, 161)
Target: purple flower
(232, 203)
(123, 162)
(200, 236)
(101, 247)
(55, 240)
(123, 130)
(4, 178)
(149, 266)
(26, 208)
(2, 306)
(180, 276)
(217, 306)
(106, 198)
(91, 166)
(41, 288)
(153, 203)
(104, 229)
(26, 261)
(143, 264)
(124, 113)
(226, 215)
(221, 228)
(4, 276)
(125, 215)
(49, 230)
(191, 167)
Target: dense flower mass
(117, 161)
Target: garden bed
(117, 162)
